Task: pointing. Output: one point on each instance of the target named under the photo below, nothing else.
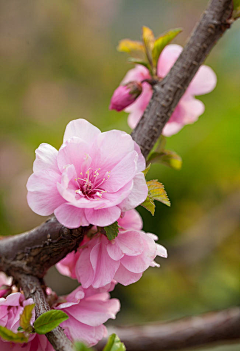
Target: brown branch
(32, 289)
(168, 92)
(210, 328)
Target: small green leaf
(80, 346)
(20, 329)
(145, 172)
(236, 9)
(157, 192)
(8, 335)
(135, 48)
(49, 320)
(112, 231)
(138, 62)
(168, 158)
(160, 144)
(148, 40)
(114, 344)
(149, 205)
(161, 42)
(26, 316)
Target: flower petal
(167, 59)
(71, 216)
(103, 217)
(125, 277)
(138, 194)
(204, 81)
(82, 129)
(46, 158)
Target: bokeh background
(58, 62)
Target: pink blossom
(125, 95)
(123, 259)
(92, 179)
(5, 283)
(88, 309)
(130, 220)
(188, 109)
(11, 308)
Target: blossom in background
(88, 309)
(92, 179)
(188, 109)
(125, 95)
(124, 259)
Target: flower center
(91, 184)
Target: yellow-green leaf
(161, 42)
(145, 172)
(135, 48)
(148, 40)
(80, 346)
(168, 158)
(8, 335)
(157, 192)
(26, 316)
(49, 320)
(149, 205)
(114, 344)
(138, 62)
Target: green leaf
(236, 9)
(149, 205)
(148, 40)
(8, 335)
(114, 344)
(161, 42)
(160, 144)
(156, 192)
(145, 172)
(135, 48)
(112, 231)
(80, 346)
(49, 320)
(20, 329)
(168, 158)
(26, 316)
(138, 62)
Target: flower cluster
(87, 309)
(188, 109)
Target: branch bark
(28, 256)
(32, 289)
(207, 329)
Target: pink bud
(125, 95)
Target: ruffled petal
(104, 216)
(46, 158)
(204, 81)
(138, 194)
(71, 216)
(167, 59)
(130, 220)
(82, 129)
(125, 277)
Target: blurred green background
(58, 62)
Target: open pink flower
(130, 220)
(98, 261)
(92, 179)
(188, 109)
(88, 309)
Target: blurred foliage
(58, 61)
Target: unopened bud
(125, 95)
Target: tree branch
(168, 92)
(32, 289)
(210, 328)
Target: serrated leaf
(148, 40)
(157, 192)
(149, 205)
(135, 48)
(138, 62)
(114, 344)
(80, 346)
(49, 320)
(26, 316)
(112, 231)
(236, 9)
(168, 158)
(161, 42)
(145, 172)
(8, 335)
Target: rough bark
(207, 329)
